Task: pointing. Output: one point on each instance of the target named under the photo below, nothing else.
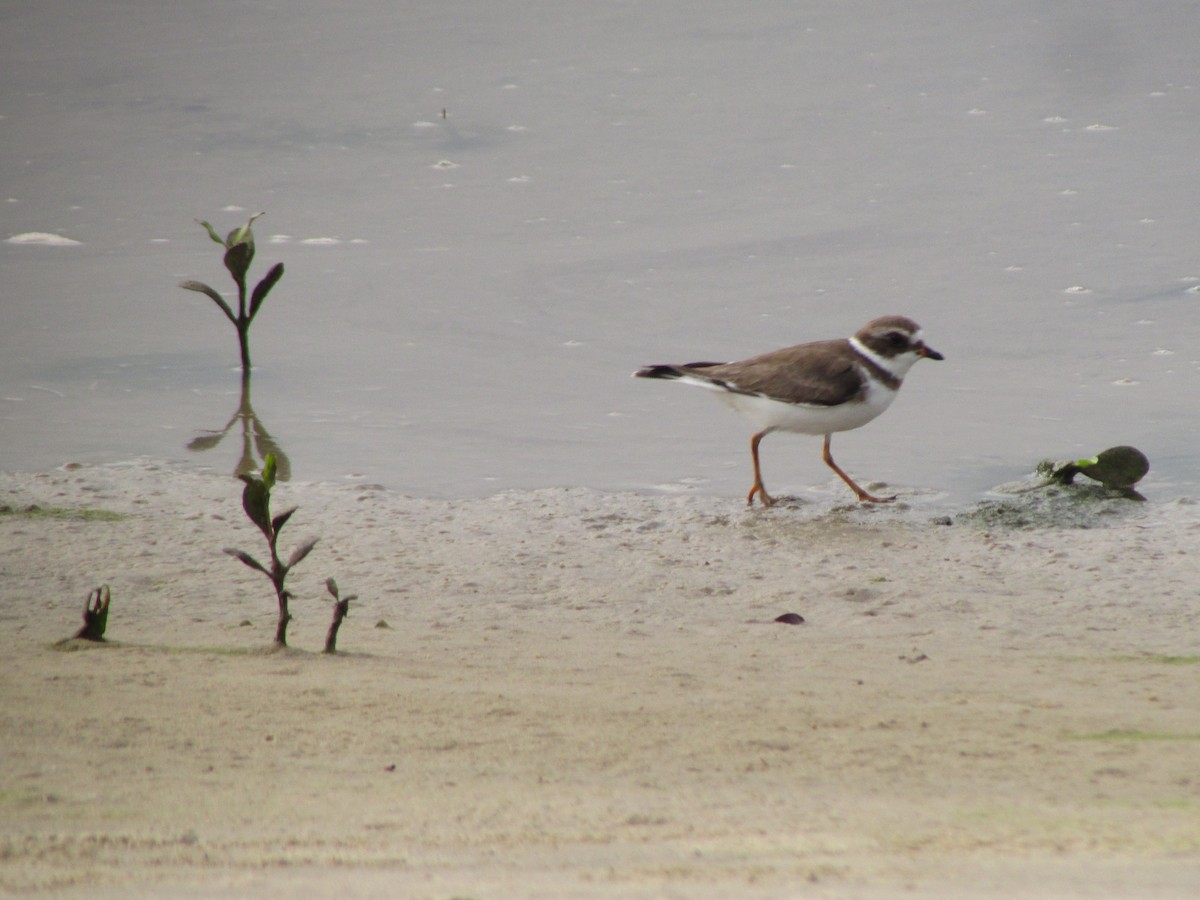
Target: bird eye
(896, 339)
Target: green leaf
(247, 559)
(202, 288)
(268, 471)
(331, 586)
(243, 234)
(212, 233)
(280, 520)
(302, 551)
(264, 287)
(238, 259)
(256, 501)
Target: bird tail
(672, 372)
(667, 372)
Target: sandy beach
(569, 693)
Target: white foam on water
(42, 239)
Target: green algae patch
(33, 511)
(1134, 734)
(1028, 506)
(1160, 659)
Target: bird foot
(761, 492)
(778, 500)
(870, 498)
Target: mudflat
(571, 693)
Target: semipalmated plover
(816, 388)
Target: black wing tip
(658, 372)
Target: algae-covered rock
(1117, 468)
(1050, 498)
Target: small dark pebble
(382, 623)
(391, 768)
(791, 619)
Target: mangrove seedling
(95, 614)
(256, 501)
(239, 253)
(341, 608)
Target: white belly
(805, 419)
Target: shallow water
(610, 186)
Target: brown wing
(819, 373)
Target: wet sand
(585, 694)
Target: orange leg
(862, 495)
(767, 499)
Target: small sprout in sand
(1117, 468)
(239, 253)
(256, 501)
(95, 614)
(341, 608)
